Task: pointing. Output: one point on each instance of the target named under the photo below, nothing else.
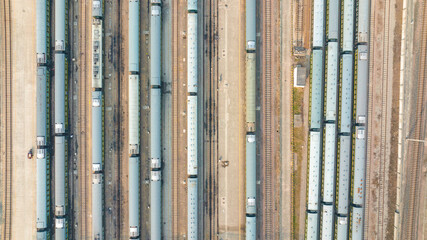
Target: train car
(250, 228)
(97, 130)
(312, 226)
(192, 209)
(317, 90)
(192, 52)
(97, 53)
(41, 192)
(329, 164)
(41, 154)
(362, 85)
(59, 119)
(134, 36)
(334, 28)
(192, 135)
(59, 25)
(60, 210)
(327, 222)
(59, 93)
(332, 82)
(348, 26)
(359, 166)
(363, 21)
(97, 206)
(250, 91)
(41, 31)
(346, 93)
(250, 174)
(319, 10)
(156, 204)
(192, 6)
(155, 128)
(155, 45)
(343, 194)
(134, 197)
(60, 225)
(314, 171)
(41, 101)
(97, 8)
(250, 25)
(357, 223)
(134, 114)
(341, 227)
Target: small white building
(300, 74)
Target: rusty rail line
(266, 124)
(410, 227)
(7, 88)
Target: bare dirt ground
(144, 78)
(179, 120)
(231, 123)
(20, 206)
(384, 59)
(287, 196)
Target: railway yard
(213, 119)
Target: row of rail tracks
(7, 117)
(384, 121)
(83, 155)
(210, 119)
(383, 152)
(267, 135)
(416, 148)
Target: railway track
(410, 227)
(384, 114)
(210, 141)
(267, 123)
(83, 156)
(383, 150)
(7, 88)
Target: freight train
(250, 43)
(41, 127)
(134, 119)
(192, 119)
(155, 120)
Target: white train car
(192, 52)
(314, 172)
(327, 222)
(329, 164)
(348, 26)
(319, 12)
(359, 166)
(312, 230)
(192, 135)
(357, 223)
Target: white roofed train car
(319, 13)
(359, 166)
(314, 172)
(329, 164)
(327, 222)
(192, 135)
